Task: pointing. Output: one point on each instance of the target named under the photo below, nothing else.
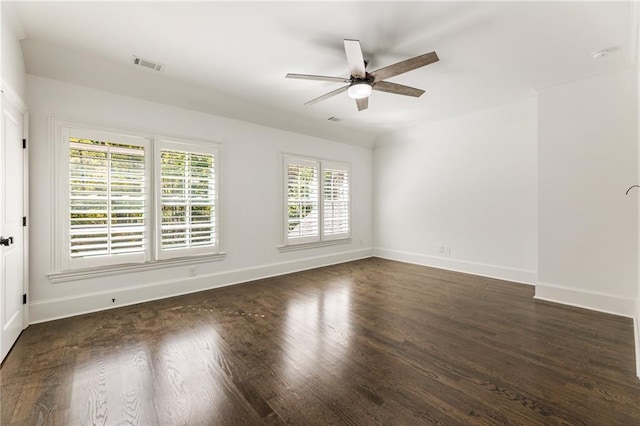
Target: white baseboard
(51, 309)
(492, 271)
(596, 301)
(636, 336)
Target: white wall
(252, 207)
(12, 65)
(636, 322)
(468, 183)
(588, 157)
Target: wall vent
(147, 64)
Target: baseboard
(636, 336)
(63, 307)
(596, 301)
(485, 270)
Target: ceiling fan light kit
(359, 90)
(362, 83)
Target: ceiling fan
(361, 83)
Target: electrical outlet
(441, 249)
(361, 242)
(193, 271)
(447, 249)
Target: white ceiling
(230, 59)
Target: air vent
(336, 119)
(147, 64)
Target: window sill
(304, 246)
(81, 274)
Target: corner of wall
(581, 298)
(516, 275)
(13, 69)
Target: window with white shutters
(335, 201)
(125, 200)
(188, 199)
(303, 218)
(107, 198)
(317, 200)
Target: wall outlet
(447, 249)
(193, 271)
(361, 242)
(441, 249)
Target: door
(12, 256)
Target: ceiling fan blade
(398, 89)
(362, 103)
(327, 95)
(405, 66)
(354, 58)
(318, 77)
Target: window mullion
(151, 203)
(320, 202)
(187, 187)
(109, 206)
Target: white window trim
(71, 264)
(81, 274)
(318, 244)
(60, 271)
(321, 240)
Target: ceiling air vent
(147, 64)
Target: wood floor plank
(360, 343)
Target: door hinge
(24, 221)
(24, 299)
(24, 144)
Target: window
(302, 201)
(107, 203)
(188, 198)
(317, 200)
(125, 198)
(335, 201)
(106, 198)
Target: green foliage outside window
(107, 202)
(188, 199)
(302, 190)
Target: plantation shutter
(188, 200)
(335, 199)
(302, 200)
(122, 197)
(107, 201)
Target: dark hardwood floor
(361, 343)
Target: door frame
(10, 95)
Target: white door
(12, 309)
